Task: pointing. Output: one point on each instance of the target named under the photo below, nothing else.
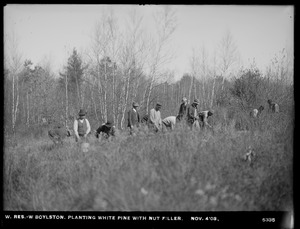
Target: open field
(106, 60)
(181, 170)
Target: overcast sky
(51, 31)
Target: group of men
(81, 129)
(188, 114)
(273, 108)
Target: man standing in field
(81, 127)
(182, 110)
(192, 115)
(133, 118)
(155, 122)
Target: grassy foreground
(175, 171)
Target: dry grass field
(182, 170)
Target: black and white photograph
(157, 115)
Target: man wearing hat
(106, 129)
(155, 122)
(192, 115)
(81, 126)
(133, 117)
(182, 110)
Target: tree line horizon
(113, 75)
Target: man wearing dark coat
(182, 110)
(192, 115)
(106, 129)
(133, 117)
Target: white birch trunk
(149, 94)
(28, 112)
(223, 83)
(144, 98)
(126, 101)
(113, 95)
(190, 88)
(77, 87)
(213, 92)
(93, 100)
(67, 100)
(100, 96)
(104, 94)
(16, 107)
(13, 104)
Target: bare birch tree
(14, 62)
(203, 59)
(104, 54)
(194, 62)
(100, 41)
(132, 59)
(114, 48)
(165, 25)
(213, 72)
(228, 55)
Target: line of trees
(121, 67)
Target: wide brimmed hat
(81, 112)
(109, 123)
(196, 101)
(158, 104)
(134, 104)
